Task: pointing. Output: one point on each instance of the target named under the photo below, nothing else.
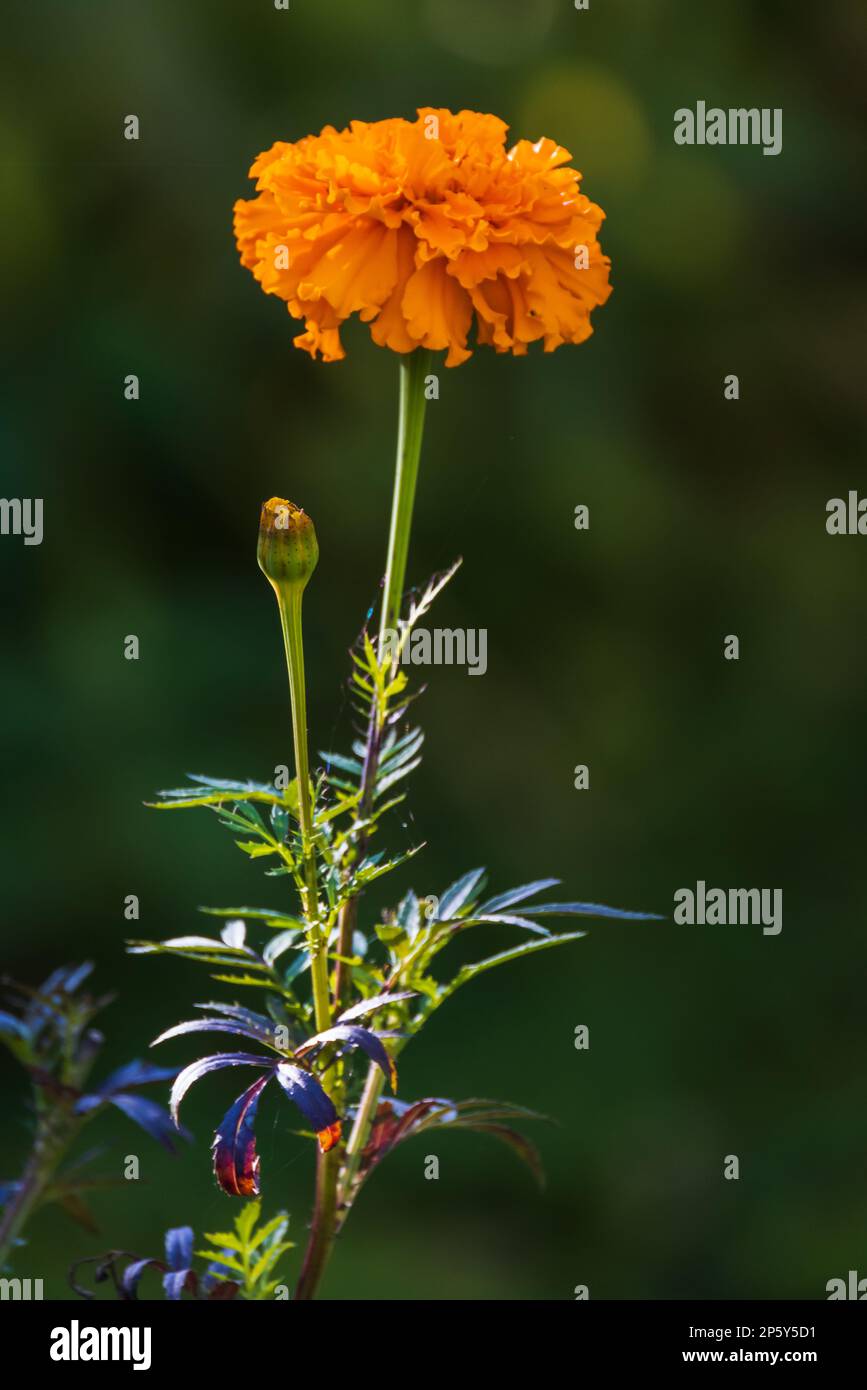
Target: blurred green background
(605, 647)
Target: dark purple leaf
(236, 1163)
(133, 1273)
(396, 1121)
(352, 1036)
(152, 1118)
(179, 1247)
(196, 1070)
(137, 1073)
(248, 1016)
(221, 1290)
(176, 1280)
(519, 1143)
(369, 1006)
(305, 1092)
(219, 1025)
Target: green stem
(411, 411)
(413, 370)
(289, 601)
(364, 1117)
(53, 1138)
(322, 1229)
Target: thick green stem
(413, 370)
(411, 410)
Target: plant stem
(322, 1229)
(413, 371)
(289, 602)
(411, 411)
(325, 1203)
(364, 1117)
(51, 1142)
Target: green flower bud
(288, 549)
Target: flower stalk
(288, 552)
(413, 371)
(411, 413)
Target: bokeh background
(605, 647)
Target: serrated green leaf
(345, 764)
(255, 849)
(267, 1262)
(251, 980)
(527, 948)
(270, 916)
(277, 1223)
(224, 1239)
(228, 1261)
(459, 894)
(246, 1220)
(517, 895)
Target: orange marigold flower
(420, 227)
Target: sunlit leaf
(237, 1026)
(504, 919)
(350, 1035)
(236, 1163)
(516, 895)
(305, 1091)
(592, 910)
(377, 1001)
(527, 948)
(196, 1070)
(459, 894)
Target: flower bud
(288, 549)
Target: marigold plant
(422, 228)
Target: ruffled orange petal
(438, 311)
(420, 227)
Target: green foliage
(250, 1253)
(395, 963)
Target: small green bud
(288, 549)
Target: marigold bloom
(420, 227)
